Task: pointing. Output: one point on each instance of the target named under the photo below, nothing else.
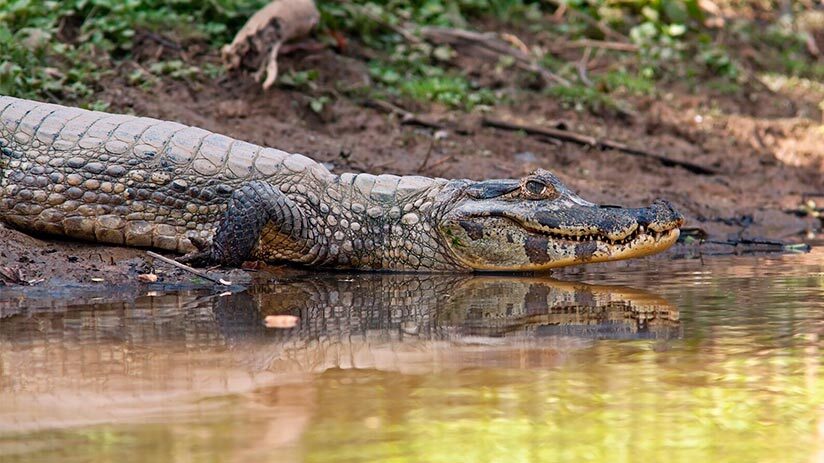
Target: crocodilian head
(537, 223)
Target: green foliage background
(60, 50)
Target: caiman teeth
(635, 234)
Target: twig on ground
(185, 267)
(407, 118)
(582, 67)
(587, 140)
(441, 161)
(697, 236)
(600, 44)
(426, 157)
(489, 44)
(406, 34)
(11, 275)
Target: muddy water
(659, 360)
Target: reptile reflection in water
(336, 307)
(441, 307)
(167, 352)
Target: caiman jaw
(502, 244)
(639, 232)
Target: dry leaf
(281, 321)
(147, 277)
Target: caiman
(138, 181)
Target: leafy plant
(61, 49)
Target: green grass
(60, 50)
(430, 84)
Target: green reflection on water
(629, 404)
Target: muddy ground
(764, 144)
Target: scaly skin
(142, 182)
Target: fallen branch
(407, 118)
(491, 45)
(185, 267)
(602, 44)
(586, 140)
(582, 66)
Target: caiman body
(138, 181)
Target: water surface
(649, 360)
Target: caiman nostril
(609, 206)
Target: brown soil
(764, 144)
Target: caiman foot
(200, 258)
(197, 259)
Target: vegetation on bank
(62, 50)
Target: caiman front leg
(256, 212)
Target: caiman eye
(535, 188)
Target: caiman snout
(613, 223)
(660, 216)
(619, 223)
